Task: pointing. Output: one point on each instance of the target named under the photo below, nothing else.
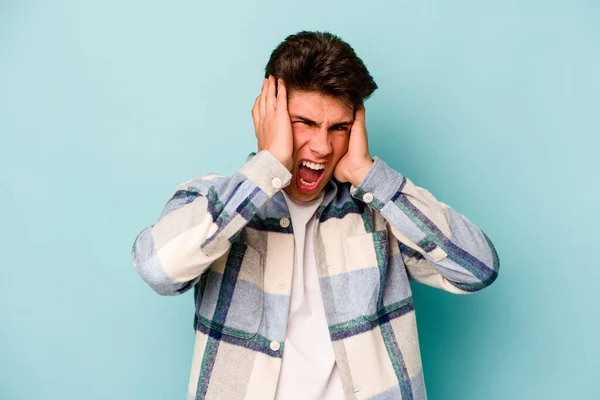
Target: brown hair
(321, 62)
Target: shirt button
(281, 285)
(276, 182)
(284, 222)
(368, 197)
(275, 345)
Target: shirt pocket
(366, 266)
(232, 300)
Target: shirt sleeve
(199, 221)
(439, 246)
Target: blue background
(106, 106)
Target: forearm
(451, 244)
(198, 223)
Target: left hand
(354, 165)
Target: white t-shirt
(308, 368)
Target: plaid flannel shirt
(231, 239)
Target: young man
(301, 260)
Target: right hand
(272, 122)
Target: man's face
(321, 129)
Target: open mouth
(309, 175)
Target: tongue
(309, 175)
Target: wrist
(359, 174)
(286, 161)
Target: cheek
(300, 137)
(340, 145)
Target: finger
(262, 103)
(360, 117)
(271, 93)
(363, 119)
(281, 96)
(358, 134)
(255, 113)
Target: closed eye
(342, 128)
(304, 123)
(313, 124)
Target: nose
(320, 143)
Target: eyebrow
(313, 123)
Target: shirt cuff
(266, 172)
(380, 184)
